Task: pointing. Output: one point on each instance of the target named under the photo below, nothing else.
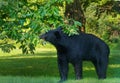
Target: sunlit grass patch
(114, 66)
(93, 80)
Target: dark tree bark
(74, 11)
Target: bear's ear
(57, 34)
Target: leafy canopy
(23, 20)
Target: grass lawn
(42, 68)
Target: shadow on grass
(39, 64)
(45, 64)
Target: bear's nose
(42, 36)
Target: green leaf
(77, 23)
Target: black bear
(77, 48)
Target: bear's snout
(42, 37)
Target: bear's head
(52, 36)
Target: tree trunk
(74, 11)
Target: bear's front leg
(63, 68)
(78, 69)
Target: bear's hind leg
(101, 68)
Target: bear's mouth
(43, 43)
(43, 37)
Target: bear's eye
(57, 34)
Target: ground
(18, 68)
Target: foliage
(23, 21)
(4, 44)
(104, 23)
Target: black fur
(77, 48)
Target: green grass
(42, 68)
(21, 79)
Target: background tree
(103, 20)
(74, 11)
